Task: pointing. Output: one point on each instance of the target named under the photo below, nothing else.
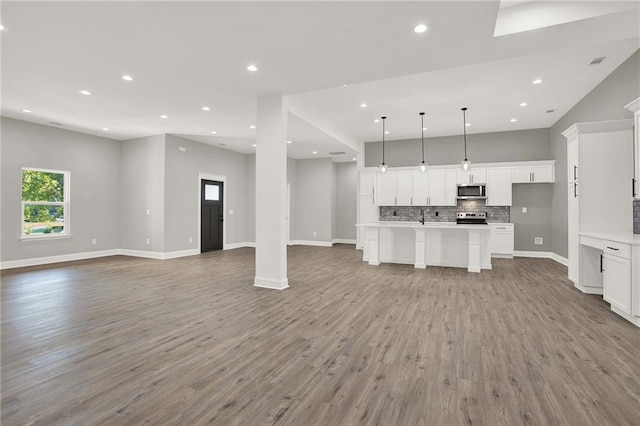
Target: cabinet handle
(601, 263)
(575, 190)
(411, 200)
(373, 191)
(501, 227)
(575, 172)
(395, 201)
(613, 248)
(471, 178)
(633, 187)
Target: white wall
(141, 188)
(94, 166)
(345, 205)
(313, 200)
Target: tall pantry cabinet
(599, 172)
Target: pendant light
(383, 167)
(423, 165)
(466, 164)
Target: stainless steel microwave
(472, 191)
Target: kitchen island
(429, 244)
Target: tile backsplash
(446, 213)
(636, 216)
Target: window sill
(43, 237)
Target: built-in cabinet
(533, 174)
(499, 189)
(502, 237)
(616, 278)
(634, 106)
(473, 175)
(367, 204)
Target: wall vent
(337, 153)
(597, 61)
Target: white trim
(342, 241)
(543, 255)
(141, 253)
(589, 290)
(220, 178)
(233, 246)
(271, 283)
(9, 264)
(180, 253)
(502, 255)
(42, 237)
(310, 243)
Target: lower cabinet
(501, 242)
(616, 280)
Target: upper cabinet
(535, 173)
(634, 106)
(473, 175)
(387, 188)
(420, 196)
(499, 191)
(368, 183)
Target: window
(45, 203)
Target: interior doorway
(211, 215)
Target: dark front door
(211, 208)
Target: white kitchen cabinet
(368, 183)
(616, 276)
(634, 106)
(473, 175)
(450, 188)
(404, 188)
(499, 188)
(420, 195)
(443, 188)
(533, 174)
(573, 231)
(501, 242)
(387, 188)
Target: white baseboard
(502, 256)
(343, 241)
(271, 283)
(141, 253)
(544, 255)
(9, 264)
(310, 243)
(180, 253)
(238, 245)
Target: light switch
(231, 211)
(182, 149)
(524, 210)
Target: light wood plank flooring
(189, 341)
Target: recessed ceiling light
(252, 68)
(206, 108)
(377, 120)
(26, 110)
(164, 116)
(537, 81)
(344, 85)
(106, 129)
(288, 141)
(252, 127)
(363, 105)
(314, 152)
(127, 77)
(524, 104)
(1, 27)
(213, 132)
(85, 92)
(513, 120)
(354, 159)
(468, 124)
(386, 132)
(425, 129)
(254, 145)
(420, 28)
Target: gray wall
(313, 200)
(141, 188)
(94, 166)
(346, 184)
(519, 145)
(605, 102)
(181, 196)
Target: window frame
(65, 203)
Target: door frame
(219, 178)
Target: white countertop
(619, 237)
(417, 225)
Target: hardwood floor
(190, 341)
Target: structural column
(271, 193)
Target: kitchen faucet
(422, 216)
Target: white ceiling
(187, 55)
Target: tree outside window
(45, 202)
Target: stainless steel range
(471, 218)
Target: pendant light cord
(383, 119)
(464, 128)
(422, 134)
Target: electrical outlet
(538, 241)
(524, 210)
(148, 241)
(94, 241)
(231, 211)
(190, 239)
